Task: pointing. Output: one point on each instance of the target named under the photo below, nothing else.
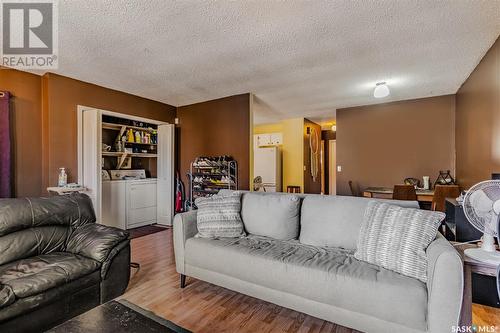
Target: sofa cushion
(219, 216)
(7, 296)
(95, 241)
(68, 210)
(335, 221)
(396, 238)
(327, 275)
(31, 242)
(271, 215)
(73, 296)
(34, 275)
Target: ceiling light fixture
(381, 90)
(334, 128)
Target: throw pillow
(396, 238)
(219, 216)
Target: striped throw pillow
(396, 238)
(219, 216)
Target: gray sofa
(317, 274)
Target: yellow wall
(293, 152)
(268, 128)
(292, 149)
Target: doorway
(332, 165)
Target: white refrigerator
(267, 165)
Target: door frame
(332, 166)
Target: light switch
(339, 168)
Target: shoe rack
(208, 175)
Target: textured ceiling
(300, 58)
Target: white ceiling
(300, 58)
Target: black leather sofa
(56, 261)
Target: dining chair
(404, 192)
(354, 192)
(441, 192)
(292, 189)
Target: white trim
(79, 143)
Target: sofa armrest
(184, 228)
(115, 272)
(445, 285)
(95, 241)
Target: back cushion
(335, 221)
(271, 215)
(32, 242)
(69, 210)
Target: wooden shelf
(119, 154)
(117, 127)
(140, 143)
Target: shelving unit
(126, 153)
(130, 183)
(208, 175)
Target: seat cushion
(271, 215)
(68, 297)
(328, 275)
(335, 221)
(34, 275)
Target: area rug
(144, 231)
(149, 314)
(118, 317)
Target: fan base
(492, 258)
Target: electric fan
(482, 208)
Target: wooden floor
(203, 307)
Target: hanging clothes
(5, 147)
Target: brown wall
(382, 144)
(478, 121)
(218, 127)
(310, 185)
(27, 130)
(62, 95)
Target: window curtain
(5, 147)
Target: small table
(386, 193)
(471, 266)
(65, 190)
(118, 316)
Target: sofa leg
(183, 280)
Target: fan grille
(483, 221)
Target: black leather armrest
(115, 272)
(95, 241)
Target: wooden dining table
(386, 193)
